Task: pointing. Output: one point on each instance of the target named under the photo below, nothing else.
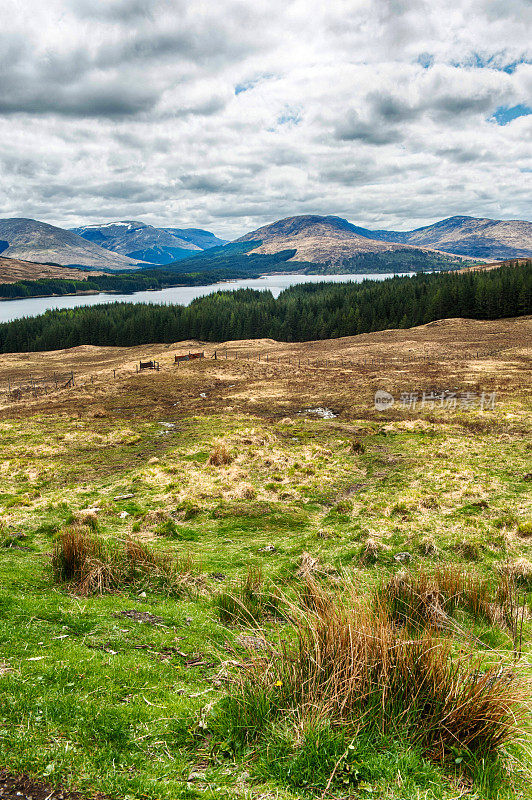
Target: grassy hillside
(137, 691)
(13, 270)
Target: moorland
(238, 578)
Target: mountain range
(30, 240)
(329, 242)
(468, 236)
(336, 241)
(143, 242)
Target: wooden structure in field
(188, 357)
(148, 365)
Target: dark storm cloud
(449, 105)
(209, 184)
(460, 155)
(387, 114)
(390, 109)
(360, 175)
(132, 191)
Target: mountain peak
(32, 240)
(332, 239)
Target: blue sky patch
(496, 61)
(245, 86)
(426, 60)
(503, 115)
(290, 116)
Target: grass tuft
(90, 565)
(220, 455)
(352, 666)
(429, 599)
(249, 602)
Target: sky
(228, 115)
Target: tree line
(300, 313)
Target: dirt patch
(23, 788)
(141, 616)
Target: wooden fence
(188, 357)
(18, 389)
(142, 365)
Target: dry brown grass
(311, 567)
(356, 367)
(220, 455)
(90, 565)
(354, 667)
(16, 269)
(519, 570)
(429, 599)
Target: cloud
(231, 115)
(79, 101)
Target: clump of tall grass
(429, 599)
(220, 455)
(90, 565)
(354, 667)
(248, 601)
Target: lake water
(33, 306)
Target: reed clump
(354, 667)
(220, 455)
(89, 564)
(429, 599)
(248, 601)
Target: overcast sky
(229, 114)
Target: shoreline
(92, 292)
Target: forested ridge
(300, 313)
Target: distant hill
(30, 240)
(510, 262)
(337, 243)
(468, 236)
(203, 239)
(140, 241)
(14, 269)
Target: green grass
(97, 701)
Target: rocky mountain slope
(14, 269)
(140, 241)
(468, 236)
(333, 240)
(324, 240)
(203, 239)
(31, 240)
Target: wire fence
(35, 386)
